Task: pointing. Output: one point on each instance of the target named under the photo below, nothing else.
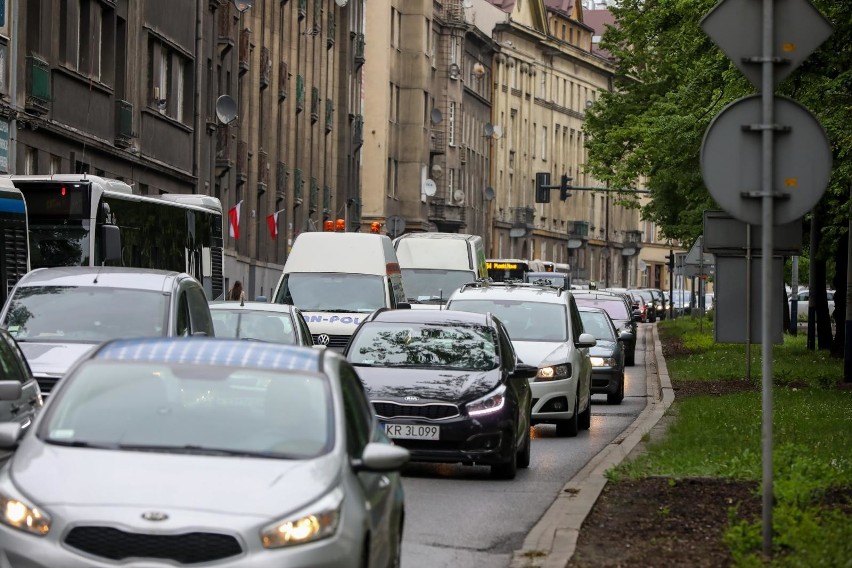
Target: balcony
(38, 83)
(223, 151)
(454, 12)
(281, 178)
(225, 29)
(313, 197)
(123, 124)
(437, 141)
(283, 80)
(357, 131)
(632, 243)
(329, 115)
(315, 103)
(303, 9)
(329, 38)
(265, 67)
(578, 234)
(523, 218)
(242, 162)
(297, 187)
(360, 45)
(441, 211)
(245, 50)
(300, 93)
(262, 172)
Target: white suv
(546, 331)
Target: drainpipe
(13, 87)
(199, 72)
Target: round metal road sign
(731, 160)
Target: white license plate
(413, 432)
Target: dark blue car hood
(395, 383)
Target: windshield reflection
(332, 292)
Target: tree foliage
(671, 82)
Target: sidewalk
(552, 541)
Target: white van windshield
(432, 285)
(332, 292)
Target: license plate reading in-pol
(412, 432)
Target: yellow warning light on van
(791, 182)
(375, 227)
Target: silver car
(261, 321)
(164, 452)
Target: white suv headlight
(316, 522)
(21, 515)
(554, 372)
(492, 402)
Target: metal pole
(794, 300)
(847, 342)
(671, 283)
(768, 100)
(748, 302)
(701, 288)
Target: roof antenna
(95, 281)
(441, 298)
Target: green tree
(672, 80)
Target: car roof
(107, 277)
(430, 316)
(213, 351)
(513, 291)
(233, 306)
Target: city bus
(15, 259)
(83, 220)
(502, 269)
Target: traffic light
(564, 187)
(542, 187)
(671, 259)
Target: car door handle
(15, 408)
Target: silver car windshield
(192, 409)
(264, 326)
(332, 292)
(525, 321)
(598, 324)
(67, 314)
(460, 347)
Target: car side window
(182, 316)
(199, 311)
(356, 407)
(9, 363)
(576, 321)
(304, 327)
(507, 352)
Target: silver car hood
(53, 358)
(540, 354)
(84, 477)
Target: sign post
(795, 31)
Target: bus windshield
(59, 245)
(13, 239)
(500, 270)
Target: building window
(30, 161)
(451, 124)
(454, 50)
(393, 176)
(396, 23)
(87, 37)
(169, 79)
(544, 143)
(450, 182)
(542, 85)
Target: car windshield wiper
(203, 451)
(81, 444)
(342, 310)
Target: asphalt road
(456, 516)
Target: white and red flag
(272, 223)
(234, 217)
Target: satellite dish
(458, 196)
(436, 116)
(437, 171)
(498, 132)
(489, 129)
(467, 3)
(429, 188)
(226, 109)
(341, 3)
(243, 5)
(478, 70)
(488, 193)
(454, 71)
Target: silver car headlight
(492, 402)
(313, 523)
(554, 372)
(602, 361)
(19, 514)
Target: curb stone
(552, 541)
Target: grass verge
(720, 436)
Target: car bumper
(606, 380)
(22, 550)
(484, 439)
(553, 401)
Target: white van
(434, 265)
(338, 278)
